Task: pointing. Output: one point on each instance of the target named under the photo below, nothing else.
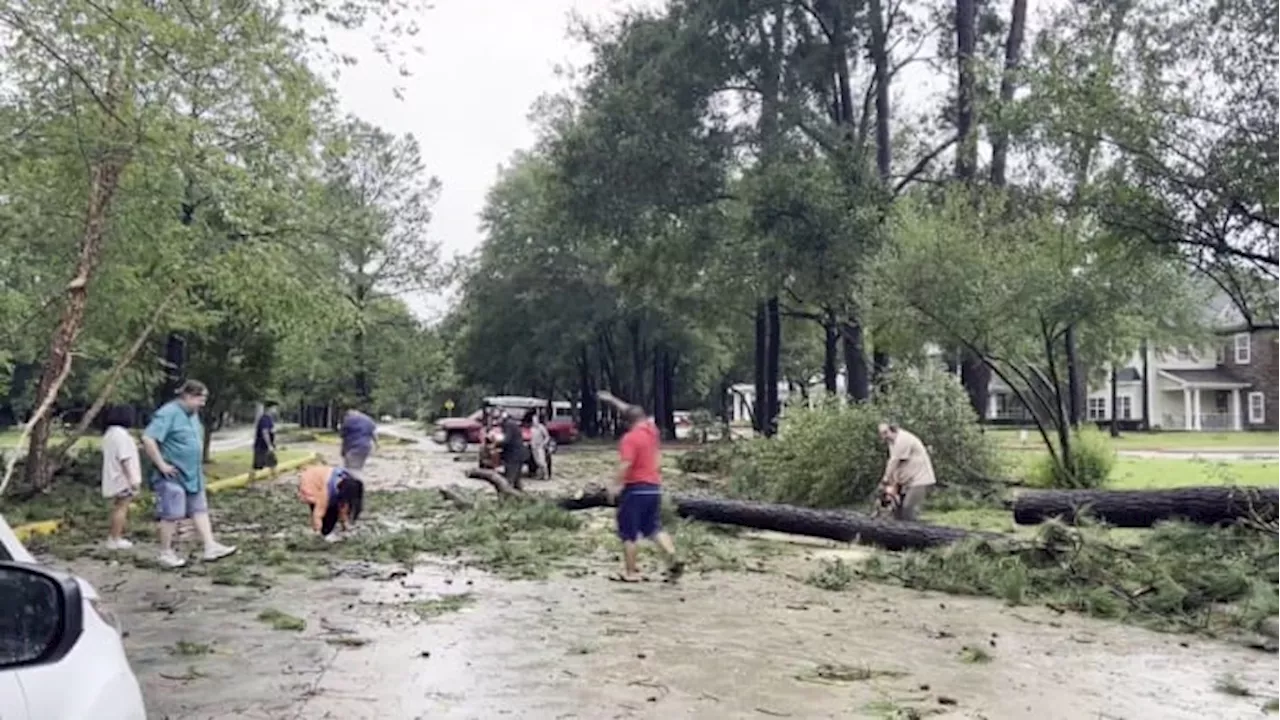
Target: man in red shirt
(638, 490)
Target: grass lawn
(1261, 440)
(236, 462)
(9, 438)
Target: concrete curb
(27, 531)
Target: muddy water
(722, 645)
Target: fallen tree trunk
(1144, 508)
(829, 524)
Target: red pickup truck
(457, 433)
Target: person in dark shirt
(359, 438)
(264, 440)
(513, 458)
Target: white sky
(467, 101)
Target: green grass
(9, 438)
(1136, 473)
(1180, 441)
(236, 462)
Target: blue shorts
(173, 502)
(639, 511)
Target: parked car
(458, 433)
(61, 653)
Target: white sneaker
(170, 559)
(118, 544)
(217, 551)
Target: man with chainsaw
(908, 474)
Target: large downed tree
(1144, 508)
(829, 524)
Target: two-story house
(1230, 385)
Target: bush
(829, 455)
(1092, 456)
(712, 458)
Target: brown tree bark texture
(1144, 508)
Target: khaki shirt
(909, 465)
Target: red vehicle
(458, 433)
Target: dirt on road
(445, 640)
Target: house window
(1242, 348)
(1124, 408)
(1097, 408)
(1257, 408)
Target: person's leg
(119, 516)
(198, 510)
(514, 471)
(629, 533)
(912, 503)
(651, 527)
(171, 506)
(355, 459)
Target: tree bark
(1144, 508)
(588, 416)
(772, 374)
(1008, 87)
(966, 44)
(857, 382)
(104, 178)
(761, 359)
(829, 524)
(1076, 391)
(1146, 387)
(831, 348)
(975, 376)
(1115, 402)
(113, 377)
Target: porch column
(1196, 397)
(1186, 409)
(1237, 422)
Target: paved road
(241, 436)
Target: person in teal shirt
(174, 440)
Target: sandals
(624, 578)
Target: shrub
(1092, 456)
(712, 458)
(829, 455)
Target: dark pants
(514, 470)
(330, 520)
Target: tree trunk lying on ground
(833, 525)
(1144, 508)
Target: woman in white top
(121, 472)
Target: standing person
(908, 474)
(335, 497)
(513, 457)
(264, 440)
(121, 471)
(359, 437)
(174, 440)
(540, 444)
(638, 489)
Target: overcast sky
(484, 64)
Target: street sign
(448, 405)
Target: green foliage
(1092, 457)
(1179, 578)
(830, 455)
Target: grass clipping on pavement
(1176, 578)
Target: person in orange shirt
(335, 496)
(638, 489)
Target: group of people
(504, 438)
(174, 442)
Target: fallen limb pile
(1144, 508)
(832, 525)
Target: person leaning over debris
(335, 497)
(638, 489)
(908, 474)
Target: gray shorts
(355, 459)
(173, 502)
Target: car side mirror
(43, 617)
